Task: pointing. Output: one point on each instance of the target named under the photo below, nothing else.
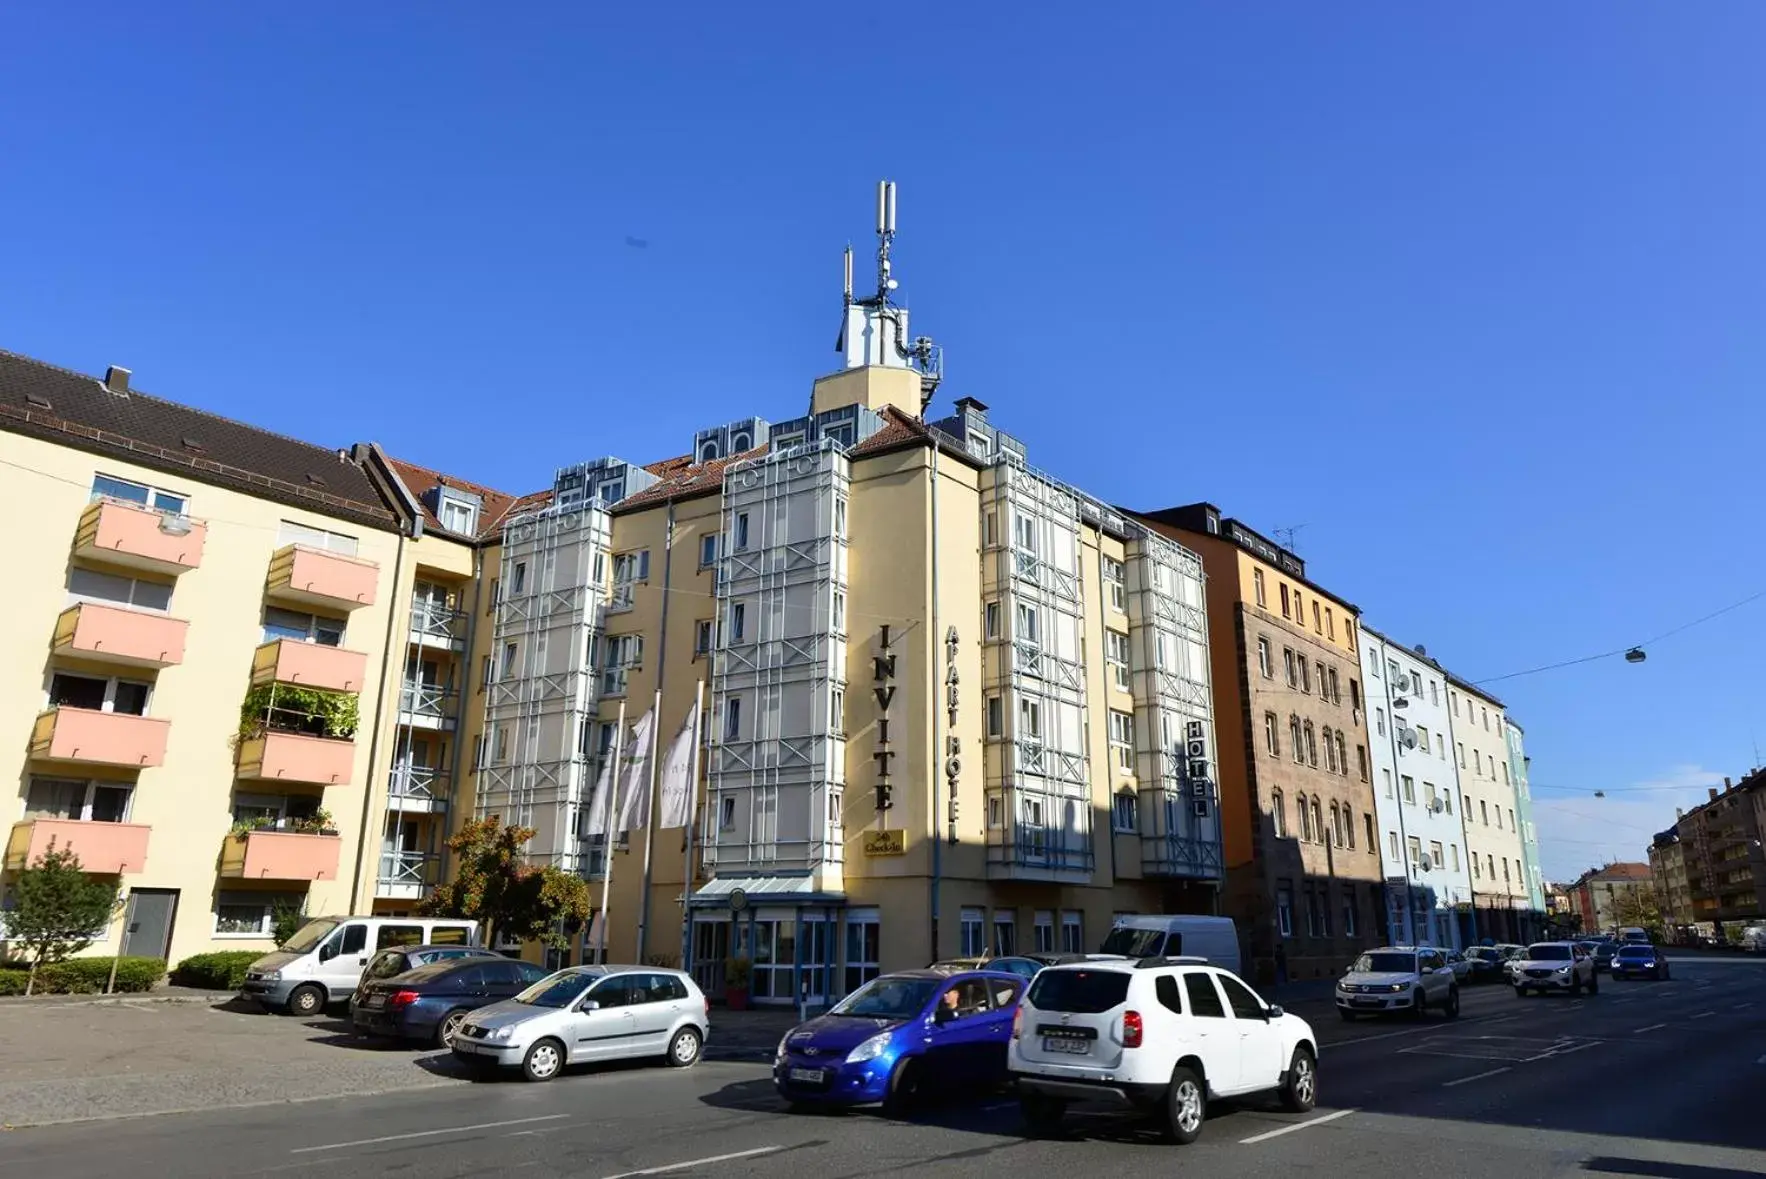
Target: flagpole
(687, 873)
(607, 838)
(649, 827)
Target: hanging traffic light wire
(1632, 654)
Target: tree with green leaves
(495, 886)
(1638, 905)
(57, 910)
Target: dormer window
(740, 443)
(457, 514)
(708, 450)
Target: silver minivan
(586, 1014)
(323, 961)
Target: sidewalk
(748, 1035)
(159, 994)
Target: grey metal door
(147, 932)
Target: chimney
(1727, 785)
(116, 379)
(1713, 791)
(1679, 813)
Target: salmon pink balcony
(311, 665)
(99, 738)
(315, 577)
(105, 849)
(281, 855)
(296, 757)
(117, 634)
(123, 534)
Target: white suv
(1162, 1035)
(1554, 966)
(1399, 978)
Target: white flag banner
(634, 783)
(677, 786)
(596, 821)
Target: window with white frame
(741, 531)
(996, 813)
(840, 517)
(88, 585)
(1005, 932)
(316, 538)
(622, 652)
(628, 570)
(128, 491)
(1115, 585)
(1042, 928)
(726, 812)
(1265, 659)
(99, 693)
(990, 529)
(1284, 911)
(1122, 815)
(738, 621)
(996, 720)
(1292, 666)
(252, 914)
(302, 627)
(732, 718)
(1028, 630)
(1271, 740)
(79, 799)
(708, 550)
(702, 636)
(974, 933)
(1029, 719)
(1072, 932)
(1116, 655)
(990, 620)
(837, 709)
(840, 611)
(458, 515)
(1122, 741)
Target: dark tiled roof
(73, 409)
(495, 508)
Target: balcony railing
(266, 854)
(406, 875)
(431, 702)
(441, 624)
(312, 665)
(311, 576)
(119, 634)
(103, 738)
(423, 784)
(297, 757)
(105, 849)
(123, 533)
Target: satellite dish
(1407, 738)
(1425, 863)
(1401, 685)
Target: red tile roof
(418, 480)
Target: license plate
(374, 1001)
(811, 1076)
(1073, 1046)
(1366, 1002)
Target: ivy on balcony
(319, 822)
(283, 708)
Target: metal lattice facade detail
(536, 768)
(1179, 811)
(777, 764)
(1038, 797)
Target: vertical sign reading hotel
(953, 749)
(883, 672)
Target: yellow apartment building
(1487, 807)
(1303, 874)
(203, 690)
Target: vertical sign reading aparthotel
(953, 747)
(883, 673)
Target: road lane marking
(1652, 1027)
(429, 1133)
(1704, 1015)
(1476, 1077)
(1255, 1138)
(716, 1158)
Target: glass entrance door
(817, 942)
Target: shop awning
(722, 893)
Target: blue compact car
(1639, 960)
(901, 1038)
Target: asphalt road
(1652, 1079)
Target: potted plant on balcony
(738, 972)
(319, 822)
(309, 712)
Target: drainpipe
(933, 641)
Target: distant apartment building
(1302, 844)
(1500, 891)
(1718, 845)
(214, 681)
(1417, 796)
(1597, 895)
(1520, 772)
(1667, 863)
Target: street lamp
(1635, 655)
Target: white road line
(1652, 1027)
(429, 1133)
(716, 1158)
(1476, 1077)
(1704, 1015)
(1319, 1121)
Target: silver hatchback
(587, 1014)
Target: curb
(213, 1000)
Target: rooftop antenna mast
(1285, 537)
(885, 239)
(876, 332)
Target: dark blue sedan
(901, 1038)
(431, 1002)
(1639, 960)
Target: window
(726, 813)
(623, 652)
(1422, 737)
(1314, 926)
(974, 933)
(98, 694)
(990, 529)
(1409, 785)
(1122, 741)
(1504, 766)
(1305, 675)
(1330, 748)
(458, 516)
(1505, 870)
(1367, 824)
(996, 722)
(840, 517)
(511, 653)
(251, 914)
(1024, 533)
(1511, 818)
(1355, 694)
(1270, 740)
(1115, 586)
(1440, 747)
(518, 578)
(1386, 777)
(1204, 999)
(1486, 713)
(1029, 719)
(837, 709)
(110, 487)
(1284, 911)
(1265, 662)
(702, 631)
(1361, 760)
(1484, 813)
(738, 621)
(1292, 669)
(1305, 818)
(315, 538)
(1434, 692)
(1311, 745)
(1072, 932)
(1334, 833)
(87, 585)
(708, 549)
(1380, 722)
(1278, 818)
(1453, 855)
(1349, 632)
(1317, 622)
(1295, 739)
(1330, 624)
(1392, 837)
(1416, 852)
(1447, 801)
(732, 718)
(1122, 815)
(1257, 587)
(1285, 607)
(1349, 913)
(1336, 692)
(81, 800)
(1005, 932)
(990, 620)
(1342, 755)
(1027, 631)
(1489, 861)
(996, 817)
(840, 611)
(1042, 928)
(1462, 755)
(304, 628)
(1318, 827)
(1453, 702)
(741, 531)
(1477, 873)
(1116, 655)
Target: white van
(1213, 938)
(323, 961)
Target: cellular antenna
(874, 330)
(885, 238)
(849, 276)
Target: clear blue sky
(1474, 295)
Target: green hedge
(222, 971)
(84, 976)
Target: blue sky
(1471, 297)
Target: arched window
(1342, 758)
(1305, 818)
(740, 442)
(1330, 751)
(1294, 738)
(1318, 820)
(1277, 817)
(708, 450)
(1311, 746)
(1336, 829)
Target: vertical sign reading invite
(953, 749)
(883, 673)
